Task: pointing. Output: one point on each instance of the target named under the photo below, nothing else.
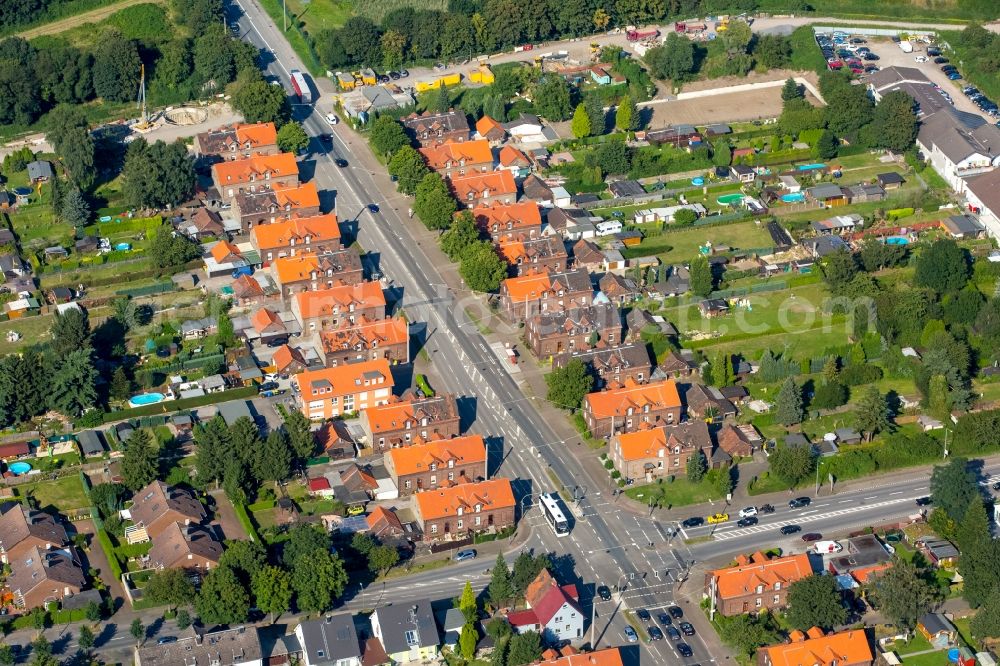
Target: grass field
(679, 492)
(64, 494)
(683, 245)
(318, 15)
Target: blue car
(955, 76)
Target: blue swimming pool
(698, 181)
(810, 167)
(146, 399)
(123, 246)
(794, 197)
(19, 468)
(897, 240)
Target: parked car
(268, 386)
(355, 510)
(654, 633)
(630, 634)
(643, 614)
(332, 118)
(790, 529)
(920, 58)
(277, 342)
(940, 60)
(393, 75)
(798, 502)
(687, 628)
(748, 511)
(747, 522)
(467, 554)
(684, 650)
(604, 593)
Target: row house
(536, 254)
(22, 528)
(458, 158)
(569, 656)
(611, 365)
(286, 238)
(409, 419)
(631, 407)
(338, 306)
(460, 511)
(484, 189)
(428, 128)
(652, 453)
(240, 646)
(507, 222)
(367, 339)
(281, 202)
(312, 272)
(524, 296)
(437, 463)
(755, 583)
(587, 254)
(250, 174)
(845, 648)
(237, 141)
(345, 389)
(575, 329)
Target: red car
(811, 536)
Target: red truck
(639, 35)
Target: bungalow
(639, 322)
(528, 128)
(401, 422)
(742, 173)
(553, 610)
(259, 172)
(646, 455)
(460, 511)
(839, 224)
(237, 141)
(757, 582)
(507, 222)
(313, 272)
(890, 180)
(665, 214)
(865, 193)
(91, 443)
(623, 189)
(344, 389)
(740, 154)
(713, 307)
(484, 189)
(962, 227)
(789, 184)
(824, 246)
(631, 407)
(193, 329)
(708, 403)
(281, 202)
(432, 128)
(547, 253)
(846, 648)
(573, 329)
(828, 194)
(320, 487)
(679, 135)
(611, 365)
(367, 339)
(740, 441)
(940, 552)
(39, 171)
(937, 629)
(524, 296)
(847, 436)
(454, 158)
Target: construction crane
(141, 101)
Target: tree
(684, 217)
(700, 274)
(526, 569)
(829, 395)
(500, 589)
(260, 102)
(827, 146)
(627, 116)
(581, 122)
(814, 601)
(839, 269)
(39, 618)
(75, 210)
(392, 42)
(116, 67)
(902, 593)
(674, 60)
(722, 154)
(300, 436)
(848, 106)
(551, 98)
(171, 251)
(986, 622)
(272, 461)
(871, 415)
(942, 267)
(433, 203)
(318, 579)
(73, 389)
(746, 633)
(697, 465)
(170, 586)
(569, 384)
(387, 136)
(612, 157)
(462, 233)
(525, 648)
(157, 175)
(93, 612)
(481, 267)
(140, 462)
(467, 640)
(41, 651)
(138, 631)
(595, 112)
(772, 52)
(894, 124)
(292, 138)
(121, 387)
(183, 619)
(70, 331)
(467, 603)
(85, 639)
(788, 403)
(222, 599)
(440, 100)
(792, 464)
(272, 590)
(791, 90)
(69, 134)
(953, 487)
(382, 558)
(798, 115)
(408, 166)
(978, 564)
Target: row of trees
(679, 58)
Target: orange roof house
(813, 648)
(632, 406)
(755, 582)
(315, 271)
(484, 188)
(456, 511)
(411, 419)
(458, 157)
(239, 140)
(491, 130)
(329, 307)
(267, 323)
(384, 523)
(568, 656)
(544, 253)
(367, 338)
(255, 171)
(527, 295)
(288, 360)
(304, 234)
(344, 389)
(441, 462)
(864, 574)
(509, 221)
(280, 202)
(660, 451)
(512, 157)
(225, 252)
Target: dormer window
(451, 463)
(461, 511)
(479, 507)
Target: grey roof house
(91, 443)
(407, 631)
(330, 641)
(39, 171)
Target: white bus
(554, 514)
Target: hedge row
(244, 518)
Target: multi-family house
(430, 128)
(287, 238)
(366, 339)
(41, 576)
(611, 365)
(553, 610)
(569, 656)
(312, 272)
(587, 254)
(845, 648)
(454, 158)
(648, 454)
(458, 511)
(513, 160)
(158, 506)
(281, 202)
(507, 222)
(190, 547)
(437, 463)
(575, 329)
(755, 583)
(237, 141)
(527, 295)
(250, 174)
(618, 289)
(339, 305)
(344, 389)
(407, 631)
(484, 189)
(329, 641)
(409, 419)
(22, 528)
(239, 646)
(535, 254)
(632, 406)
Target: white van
(608, 227)
(827, 547)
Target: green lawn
(680, 492)
(681, 246)
(319, 14)
(766, 483)
(63, 494)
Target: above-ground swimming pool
(698, 181)
(19, 468)
(123, 246)
(146, 399)
(727, 199)
(810, 167)
(897, 240)
(794, 197)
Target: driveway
(96, 559)
(225, 517)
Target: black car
(277, 342)
(798, 502)
(812, 536)
(642, 614)
(948, 69)
(673, 633)
(923, 501)
(871, 56)
(940, 60)
(746, 522)
(675, 612)
(326, 138)
(687, 629)
(684, 650)
(664, 619)
(372, 208)
(268, 386)
(341, 162)
(693, 522)
(394, 76)
(604, 593)
(655, 634)
(767, 508)
(933, 51)
(996, 486)
(790, 529)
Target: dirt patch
(752, 77)
(93, 16)
(727, 107)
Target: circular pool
(146, 399)
(698, 181)
(794, 197)
(19, 468)
(727, 199)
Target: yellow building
(368, 77)
(435, 82)
(483, 74)
(345, 80)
